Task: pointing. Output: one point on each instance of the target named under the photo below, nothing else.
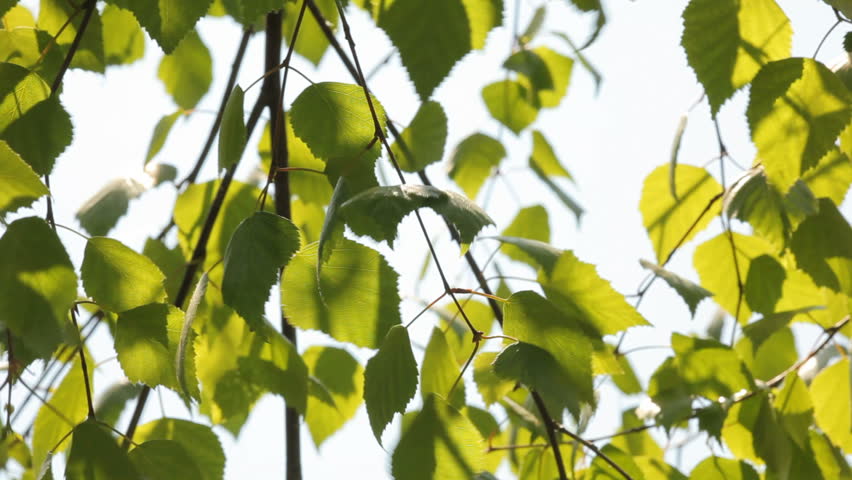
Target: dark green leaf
(795, 409)
(332, 226)
(232, 136)
(823, 248)
(378, 211)
(166, 21)
(797, 108)
(187, 71)
(424, 138)
(19, 185)
(101, 212)
(473, 160)
(728, 41)
(690, 292)
(170, 261)
(95, 455)
(261, 245)
(165, 459)
(390, 380)
(41, 134)
(117, 278)
(511, 103)
(354, 298)
(113, 400)
(199, 442)
(440, 443)
(160, 134)
(39, 284)
(534, 26)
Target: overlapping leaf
(199, 441)
(690, 292)
(424, 138)
(164, 459)
(95, 455)
(41, 134)
(823, 248)
(511, 103)
(58, 19)
(101, 212)
(124, 42)
(167, 22)
(440, 371)
(117, 278)
(343, 378)
(390, 380)
(473, 160)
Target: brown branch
(594, 448)
(83, 365)
(551, 427)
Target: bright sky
(609, 142)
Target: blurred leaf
(831, 400)
(95, 455)
(530, 223)
(490, 385)
(831, 176)
(795, 409)
(599, 469)
(117, 278)
(312, 42)
(690, 292)
(124, 42)
(232, 136)
(559, 68)
(343, 377)
(102, 212)
(113, 400)
(544, 159)
(160, 134)
(390, 380)
(167, 22)
(511, 103)
(52, 18)
(718, 468)
(278, 369)
(627, 382)
(541, 254)
(20, 91)
(199, 442)
(598, 78)
(19, 185)
(473, 160)
(534, 26)
(186, 72)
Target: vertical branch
(84, 365)
(551, 427)
(274, 96)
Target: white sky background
(609, 142)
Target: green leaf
(39, 284)
(773, 356)
(456, 332)
(795, 409)
(112, 401)
(199, 441)
(232, 136)
(541, 255)
(668, 219)
(146, 340)
(124, 42)
(483, 16)
(167, 22)
(603, 470)
(536, 22)
(41, 134)
(544, 159)
(332, 226)
(186, 341)
(161, 133)
(831, 177)
(69, 408)
(261, 245)
(101, 213)
(577, 290)
(552, 64)
(170, 261)
(727, 42)
(709, 368)
(473, 160)
(335, 121)
(718, 468)
(830, 460)
(823, 248)
(164, 459)
(598, 78)
(439, 373)
(378, 211)
(20, 91)
(530, 223)
(249, 11)
(439, 443)
(95, 455)
(117, 278)
(831, 400)
(54, 16)
(310, 187)
(279, 370)
(627, 382)
(390, 380)
(428, 53)
(354, 298)
(560, 193)
(796, 110)
(511, 103)
(690, 292)
(343, 378)
(714, 261)
(490, 386)
(527, 63)
(312, 42)
(19, 185)
(424, 138)
(187, 71)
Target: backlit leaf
(343, 378)
(164, 459)
(41, 134)
(831, 177)
(124, 42)
(378, 211)
(20, 91)
(390, 380)
(232, 136)
(52, 17)
(473, 160)
(261, 245)
(511, 103)
(440, 371)
(95, 455)
(490, 386)
(166, 21)
(831, 400)
(823, 248)
(101, 212)
(718, 468)
(530, 223)
(424, 138)
(187, 71)
(117, 278)
(544, 158)
(199, 442)
(690, 292)
(160, 134)
(310, 187)
(543, 255)
(19, 185)
(552, 64)
(312, 42)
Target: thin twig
(594, 448)
(551, 427)
(83, 365)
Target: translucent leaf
(831, 177)
(727, 42)
(775, 354)
(601, 469)
(390, 380)
(95, 455)
(160, 134)
(343, 378)
(146, 340)
(576, 289)
(639, 443)
(709, 368)
(690, 292)
(795, 409)
(112, 401)
(249, 11)
(41, 134)
(21, 43)
(530, 223)
(101, 212)
(166, 21)
(20, 91)
(831, 400)
(19, 185)
(39, 284)
(797, 108)
(473, 160)
(823, 248)
(428, 54)
(511, 103)
(170, 261)
(332, 225)
(278, 369)
(598, 78)
(124, 42)
(424, 138)
(199, 441)
(483, 16)
(457, 333)
(439, 443)
(164, 459)
(544, 158)
(232, 136)
(440, 370)
(627, 382)
(830, 460)
(52, 17)
(310, 187)
(354, 299)
(542, 255)
(187, 71)
(715, 264)
(117, 278)
(334, 120)
(545, 63)
(69, 400)
(668, 219)
(312, 42)
(560, 193)
(718, 468)
(490, 386)
(261, 245)
(378, 211)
